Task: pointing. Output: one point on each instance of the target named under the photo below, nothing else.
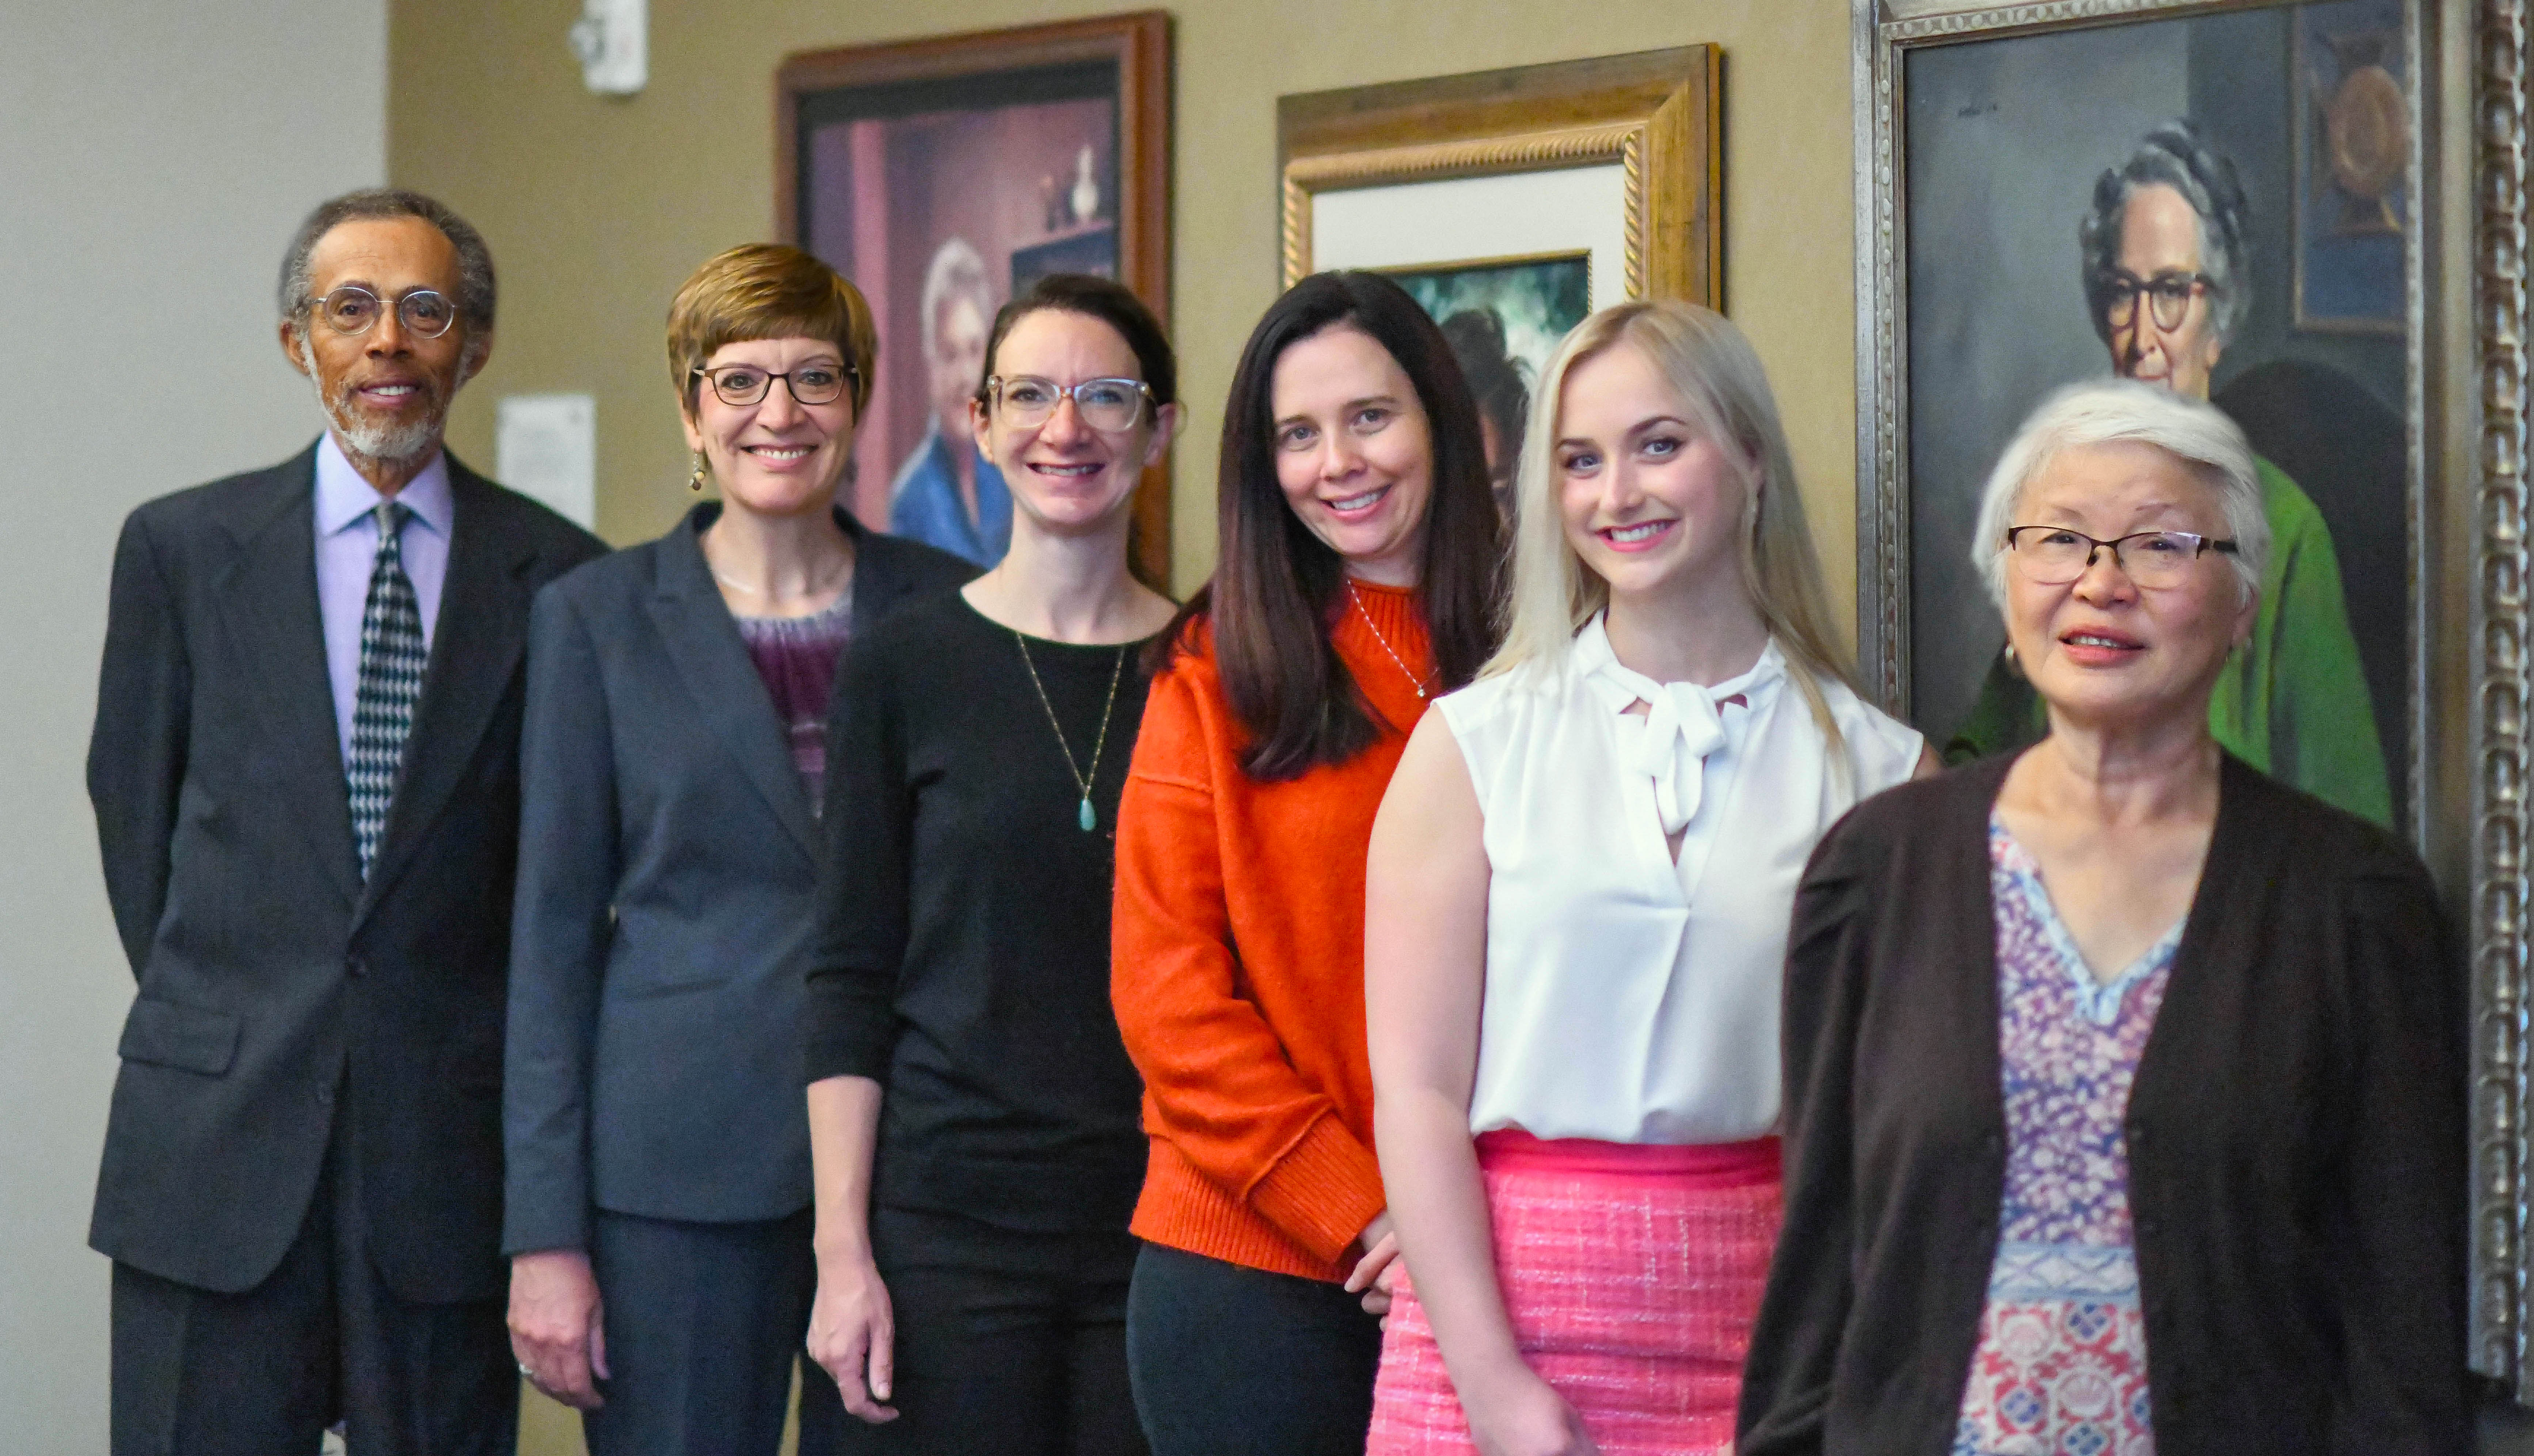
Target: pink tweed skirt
(1632, 1275)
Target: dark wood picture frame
(1139, 46)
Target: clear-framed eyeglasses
(743, 385)
(425, 313)
(2054, 556)
(2168, 295)
(1110, 404)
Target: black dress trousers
(323, 1338)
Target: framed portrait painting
(946, 175)
(2311, 215)
(1511, 204)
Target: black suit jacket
(2296, 1138)
(668, 864)
(277, 990)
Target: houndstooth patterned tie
(392, 658)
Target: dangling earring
(696, 482)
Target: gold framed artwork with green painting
(1511, 204)
(1617, 160)
(1505, 317)
(1533, 300)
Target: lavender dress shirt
(348, 542)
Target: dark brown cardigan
(2296, 1137)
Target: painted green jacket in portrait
(2292, 702)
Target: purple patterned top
(2060, 1365)
(797, 657)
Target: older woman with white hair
(2125, 1086)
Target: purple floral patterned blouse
(797, 657)
(2061, 1366)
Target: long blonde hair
(1725, 396)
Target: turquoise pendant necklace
(1087, 817)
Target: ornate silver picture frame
(2372, 135)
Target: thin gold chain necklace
(1088, 818)
(825, 590)
(1358, 598)
(836, 585)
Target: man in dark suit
(305, 770)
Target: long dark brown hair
(1277, 588)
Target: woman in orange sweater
(1355, 580)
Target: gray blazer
(667, 860)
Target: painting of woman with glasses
(2163, 246)
(2219, 222)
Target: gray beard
(398, 442)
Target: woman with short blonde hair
(1576, 911)
(672, 767)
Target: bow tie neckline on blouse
(1682, 727)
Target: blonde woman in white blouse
(1576, 918)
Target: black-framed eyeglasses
(743, 385)
(1111, 405)
(425, 313)
(2168, 295)
(2053, 555)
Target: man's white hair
(2112, 411)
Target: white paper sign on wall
(610, 37)
(549, 452)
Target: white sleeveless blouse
(1630, 998)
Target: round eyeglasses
(1110, 404)
(2054, 556)
(425, 313)
(743, 385)
(2168, 295)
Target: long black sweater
(2296, 1138)
(962, 959)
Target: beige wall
(597, 209)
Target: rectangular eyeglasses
(2054, 555)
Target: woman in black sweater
(972, 1111)
(2123, 1086)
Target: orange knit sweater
(1237, 970)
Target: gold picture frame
(1654, 117)
(1497, 260)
